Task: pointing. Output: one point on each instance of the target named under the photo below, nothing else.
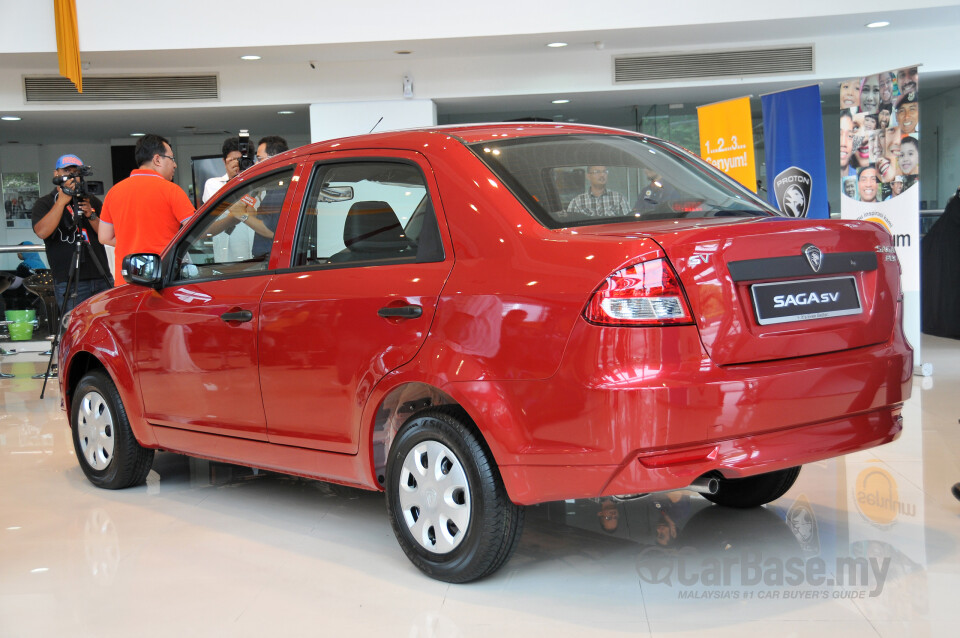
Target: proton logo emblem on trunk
(792, 188)
(814, 256)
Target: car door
(196, 338)
(367, 268)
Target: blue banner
(794, 152)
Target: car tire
(106, 448)
(754, 491)
(446, 500)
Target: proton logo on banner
(793, 137)
(792, 188)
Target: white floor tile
(209, 549)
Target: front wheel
(754, 491)
(108, 452)
(446, 501)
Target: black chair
(373, 232)
(40, 284)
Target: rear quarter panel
(517, 288)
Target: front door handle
(237, 315)
(411, 311)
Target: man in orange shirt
(142, 213)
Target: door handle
(411, 311)
(238, 315)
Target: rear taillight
(644, 294)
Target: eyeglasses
(169, 157)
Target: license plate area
(805, 299)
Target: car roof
(465, 133)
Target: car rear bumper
(674, 468)
(633, 411)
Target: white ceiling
(475, 78)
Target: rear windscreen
(576, 180)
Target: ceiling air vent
(713, 64)
(122, 88)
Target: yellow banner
(726, 139)
(68, 41)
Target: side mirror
(142, 269)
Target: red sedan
(477, 318)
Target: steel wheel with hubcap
(106, 448)
(446, 500)
(95, 431)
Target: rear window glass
(577, 180)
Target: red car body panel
(197, 371)
(567, 408)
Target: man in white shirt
(234, 245)
(231, 160)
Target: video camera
(246, 151)
(79, 190)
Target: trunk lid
(775, 288)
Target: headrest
(372, 226)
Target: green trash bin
(23, 322)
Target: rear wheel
(446, 500)
(754, 491)
(108, 452)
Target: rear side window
(578, 180)
(367, 213)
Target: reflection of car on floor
(424, 316)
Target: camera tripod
(73, 281)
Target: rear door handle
(411, 311)
(238, 315)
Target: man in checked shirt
(598, 201)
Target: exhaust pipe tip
(705, 485)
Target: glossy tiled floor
(866, 545)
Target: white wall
(341, 119)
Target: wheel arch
(405, 396)
(102, 354)
(394, 408)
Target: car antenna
(377, 124)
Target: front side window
(236, 235)
(578, 180)
(367, 213)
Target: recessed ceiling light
(137, 134)
(878, 24)
(561, 101)
(285, 112)
(249, 57)
(557, 45)
(10, 118)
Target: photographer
(61, 220)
